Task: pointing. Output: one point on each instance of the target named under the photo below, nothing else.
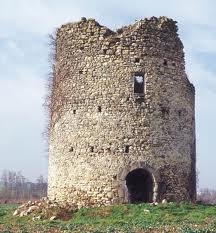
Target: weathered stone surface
(16, 212)
(32, 208)
(101, 130)
(146, 211)
(164, 201)
(53, 218)
(46, 209)
(36, 218)
(23, 213)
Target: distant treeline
(207, 196)
(14, 187)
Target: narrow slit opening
(165, 62)
(137, 60)
(127, 149)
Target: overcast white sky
(24, 29)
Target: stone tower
(122, 115)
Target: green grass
(172, 217)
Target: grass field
(172, 217)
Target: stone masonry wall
(95, 114)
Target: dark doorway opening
(140, 186)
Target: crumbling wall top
(161, 23)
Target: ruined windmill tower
(122, 115)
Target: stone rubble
(43, 209)
(47, 209)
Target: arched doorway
(140, 186)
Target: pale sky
(24, 29)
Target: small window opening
(104, 51)
(114, 177)
(173, 64)
(80, 72)
(179, 113)
(165, 62)
(165, 111)
(91, 148)
(139, 84)
(99, 108)
(92, 33)
(127, 149)
(137, 60)
(71, 149)
(81, 48)
(74, 111)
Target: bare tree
(41, 186)
(207, 196)
(15, 187)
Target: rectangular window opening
(139, 85)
